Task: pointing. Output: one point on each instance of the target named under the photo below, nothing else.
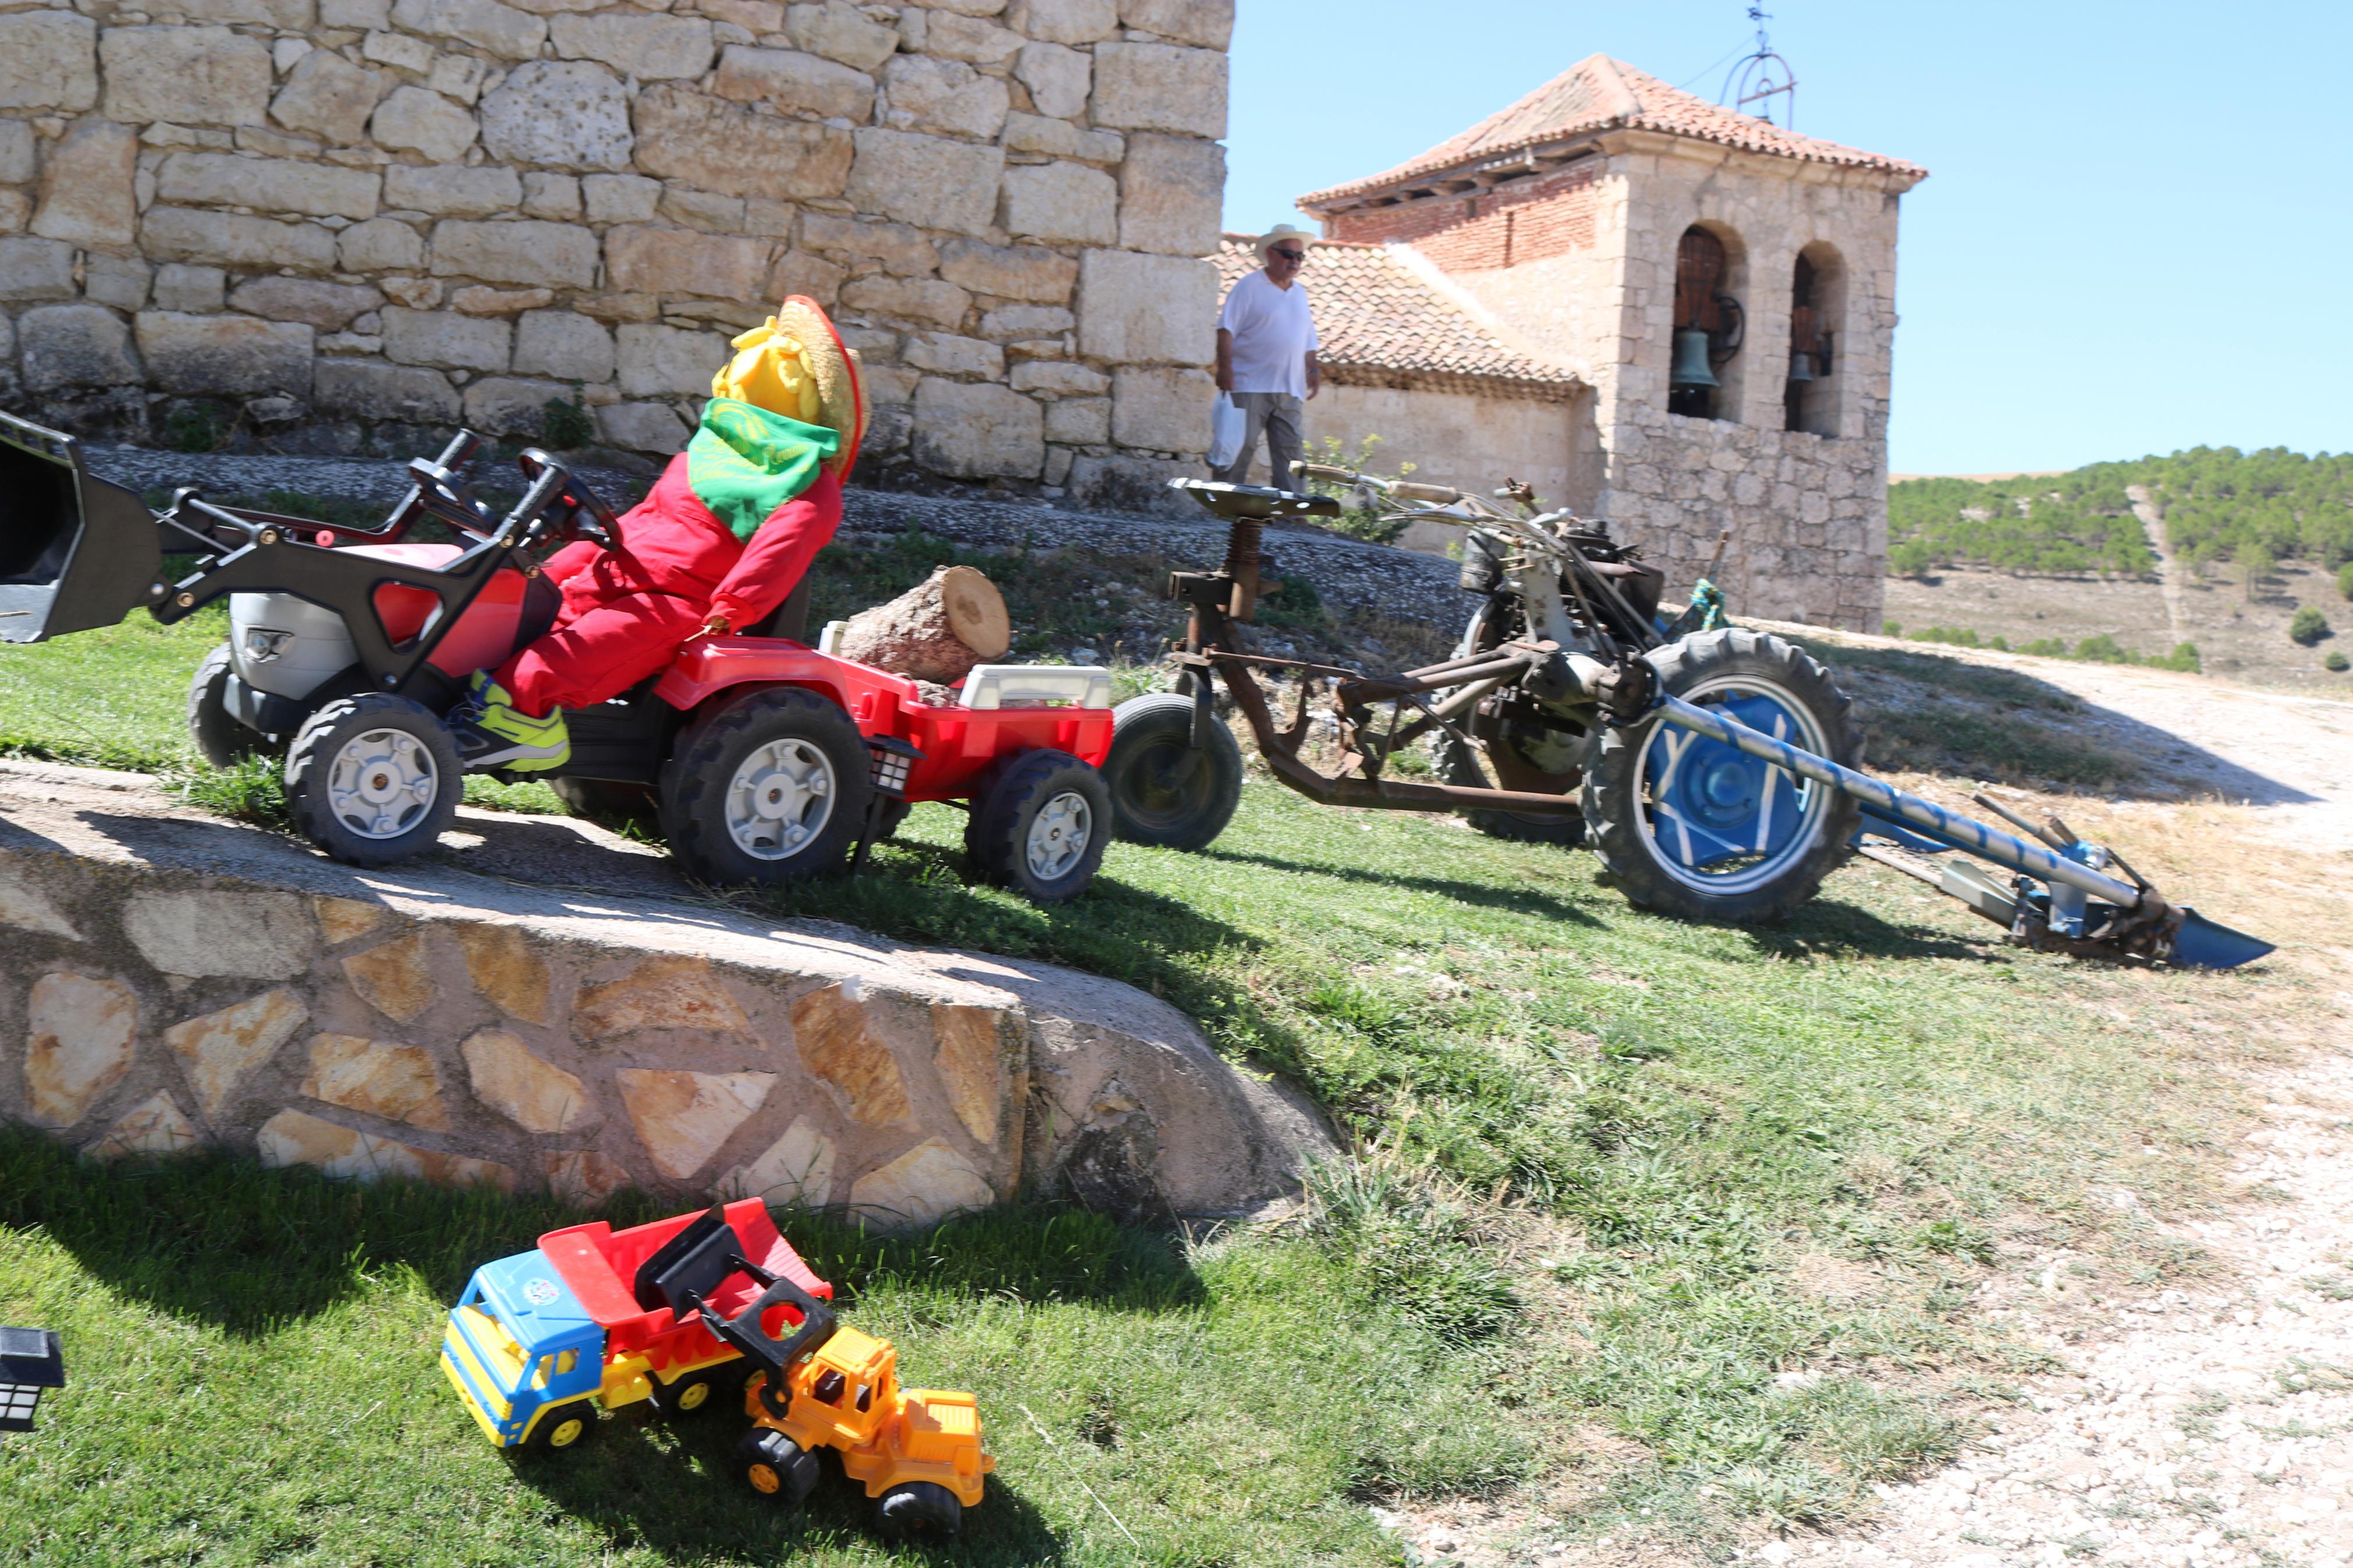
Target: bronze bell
(1801, 365)
(1691, 366)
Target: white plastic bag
(1228, 425)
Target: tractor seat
(788, 620)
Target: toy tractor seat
(788, 620)
(691, 1275)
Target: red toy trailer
(762, 760)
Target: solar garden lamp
(30, 1362)
(893, 760)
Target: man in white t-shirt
(1266, 355)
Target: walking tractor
(693, 1313)
(762, 759)
(1713, 770)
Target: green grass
(1599, 1160)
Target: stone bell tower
(1609, 221)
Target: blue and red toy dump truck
(693, 1311)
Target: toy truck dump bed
(538, 1339)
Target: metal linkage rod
(1968, 833)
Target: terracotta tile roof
(1598, 93)
(1382, 322)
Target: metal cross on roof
(1760, 78)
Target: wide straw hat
(1285, 231)
(796, 364)
(840, 385)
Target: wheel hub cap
(381, 782)
(1717, 818)
(780, 799)
(1059, 836)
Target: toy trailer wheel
(1040, 826)
(918, 1510)
(776, 1467)
(1689, 827)
(768, 789)
(691, 1395)
(1163, 791)
(373, 779)
(219, 737)
(562, 1429)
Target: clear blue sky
(2135, 235)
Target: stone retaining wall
(176, 981)
(342, 226)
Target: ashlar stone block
(1161, 410)
(1065, 202)
(974, 430)
(1059, 79)
(1171, 194)
(188, 76)
(196, 290)
(899, 247)
(951, 355)
(416, 119)
(642, 427)
(908, 299)
(1147, 309)
(553, 254)
(549, 196)
(682, 1118)
(298, 1138)
(571, 348)
(219, 1049)
(839, 31)
(684, 261)
(1017, 272)
(648, 48)
(941, 97)
(381, 244)
(970, 39)
(619, 198)
(501, 29)
(795, 82)
(452, 190)
(662, 362)
(508, 405)
(326, 307)
(327, 95)
(367, 389)
(1160, 87)
(717, 146)
(18, 163)
(1063, 21)
(227, 354)
(78, 1044)
(273, 185)
(926, 181)
(1206, 23)
(75, 345)
(48, 59)
(87, 194)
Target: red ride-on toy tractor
(762, 760)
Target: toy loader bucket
(76, 551)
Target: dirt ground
(2238, 641)
(2208, 1426)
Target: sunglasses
(1289, 254)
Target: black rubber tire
(1457, 766)
(696, 1394)
(618, 806)
(562, 1429)
(310, 760)
(1151, 745)
(1613, 810)
(918, 1510)
(997, 835)
(219, 737)
(696, 779)
(776, 1467)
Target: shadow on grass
(1513, 901)
(1830, 928)
(216, 1238)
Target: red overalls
(626, 611)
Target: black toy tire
(1150, 737)
(219, 737)
(311, 788)
(562, 1429)
(917, 1509)
(616, 806)
(1018, 791)
(1614, 810)
(696, 1394)
(700, 775)
(1457, 766)
(775, 1468)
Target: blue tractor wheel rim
(1715, 819)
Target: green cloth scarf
(745, 462)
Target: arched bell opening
(1811, 394)
(1703, 367)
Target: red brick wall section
(1525, 221)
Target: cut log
(936, 630)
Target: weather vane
(1762, 77)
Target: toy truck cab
(523, 1355)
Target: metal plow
(2061, 897)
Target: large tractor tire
(219, 737)
(768, 789)
(1689, 827)
(373, 780)
(1163, 791)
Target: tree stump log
(936, 630)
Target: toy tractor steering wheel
(577, 512)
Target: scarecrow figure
(720, 542)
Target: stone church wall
(346, 225)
